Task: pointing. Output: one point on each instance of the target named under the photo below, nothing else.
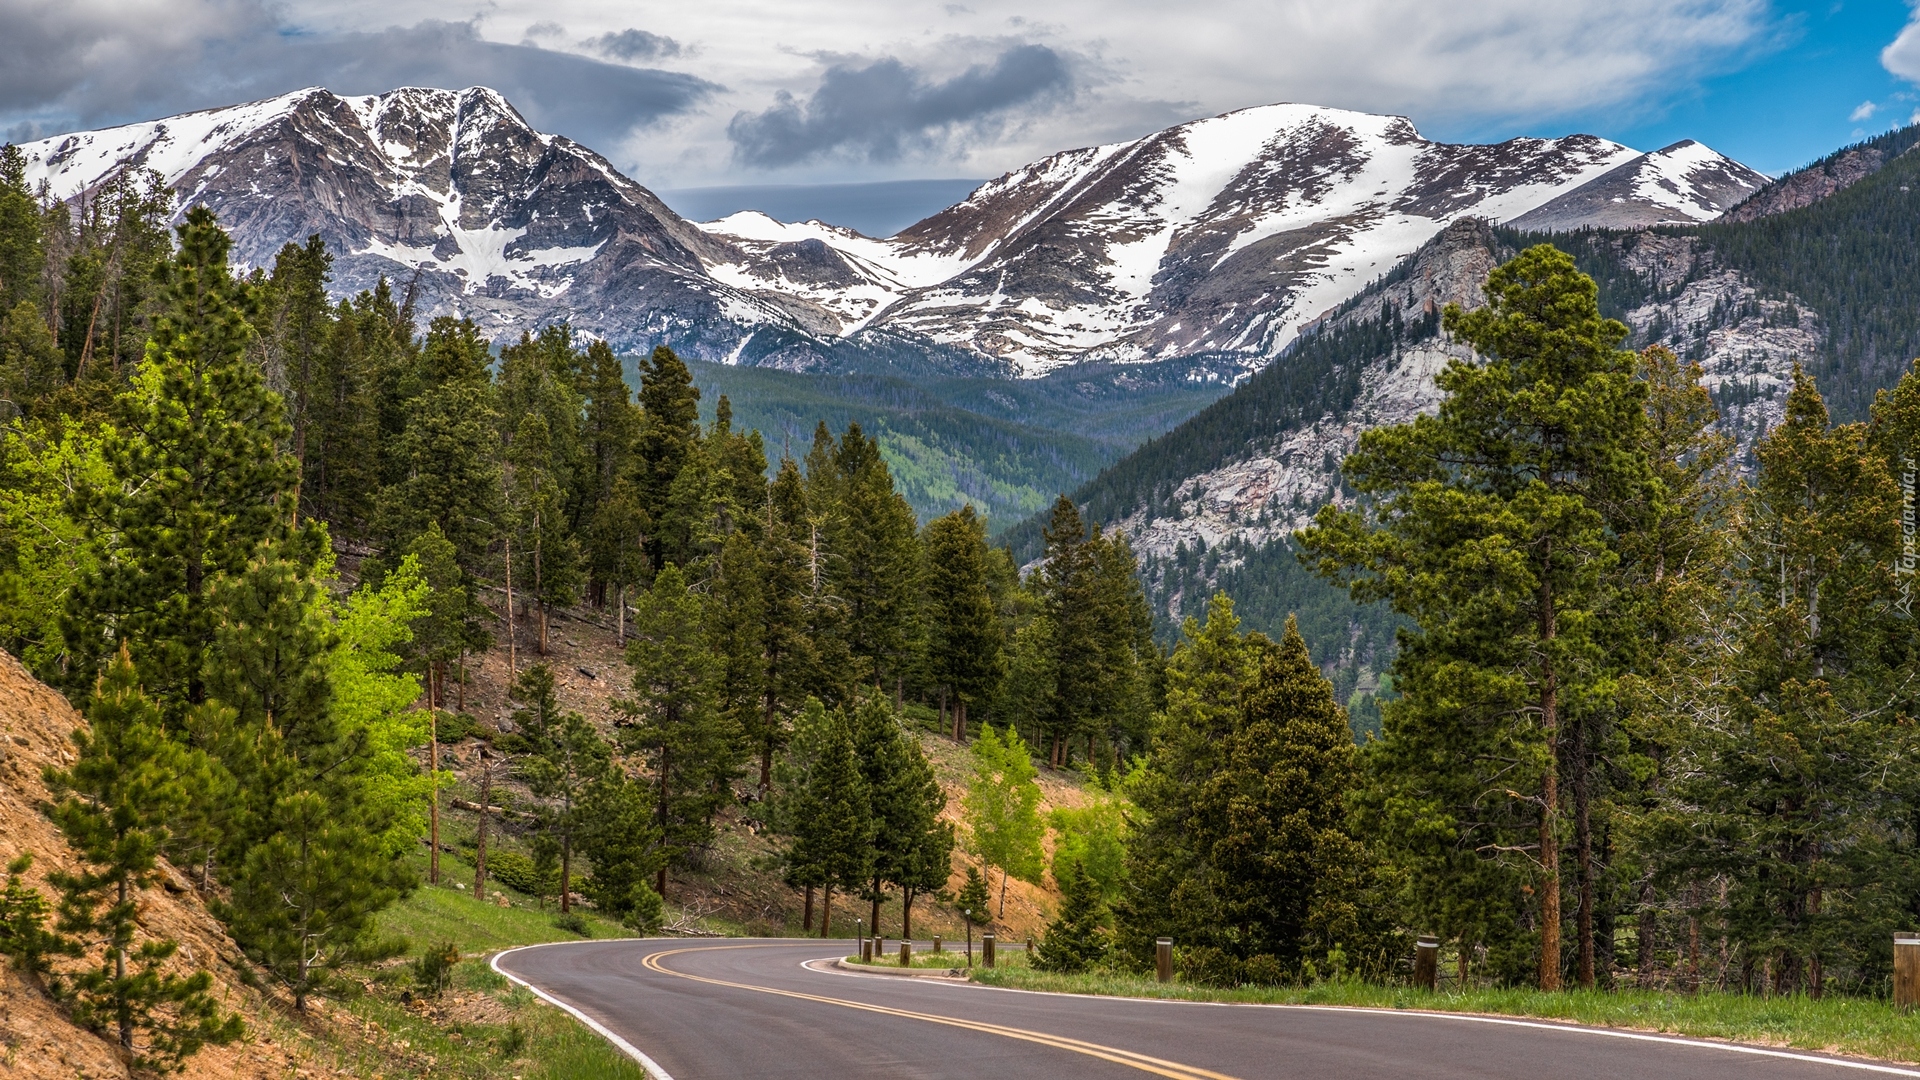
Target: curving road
(778, 1009)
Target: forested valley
(1653, 722)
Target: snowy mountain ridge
(1219, 237)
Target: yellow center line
(1157, 1066)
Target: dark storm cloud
(631, 45)
(886, 108)
(59, 73)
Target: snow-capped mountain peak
(1223, 236)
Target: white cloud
(1902, 55)
(1137, 64)
(1863, 111)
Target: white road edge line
(651, 1066)
(1571, 1029)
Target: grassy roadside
(481, 1027)
(1861, 1027)
(948, 959)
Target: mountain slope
(1213, 503)
(1682, 184)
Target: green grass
(434, 914)
(1863, 1027)
(471, 1031)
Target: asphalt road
(770, 1009)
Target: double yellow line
(1154, 1065)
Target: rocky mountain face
(1683, 184)
(1217, 239)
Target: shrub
(573, 923)
(1205, 965)
(522, 874)
(433, 972)
(1264, 970)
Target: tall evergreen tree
(1487, 532)
(669, 426)
(965, 649)
(904, 801)
(446, 460)
(1076, 938)
(833, 821)
(875, 568)
(199, 483)
(674, 718)
(568, 757)
(113, 806)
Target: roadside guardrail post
(936, 943)
(1906, 971)
(1426, 963)
(906, 954)
(986, 949)
(866, 951)
(1163, 958)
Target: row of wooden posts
(1426, 961)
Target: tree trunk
(122, 1009)
(480, 835)
(513, 669)
(433, 772)
(874, 925)
(1816, 971)
(539, 588)
(566, 875)
(620, 619)
(826, 909)
(460, 690)
(1649, 926)
(951, 723)
(1003, 895)
(1583, 843)
(806, 917)
(906, 913)
(1549, 795)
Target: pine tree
(199, 483)
(905, 802)
(113, 806)
(446, 457)
(965, 644)
(305, 896)
(674, 718)
(549, 565)
(791, 670)
(1487, 531)
(23, 254)
(297, 332)
(974, 897)
(609, 426)
(620, 837)
(1070, 589)
(1001, 809)
(344, 448)
(25, 938)
(669, 426)
(1076, 939)
(833, 823)
(1794, 806)
(875, 569)
(567, 758)
(1273, 819)
(1174, 884)
(31, 368)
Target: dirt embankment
(36, 1038)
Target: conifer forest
(1651, 718)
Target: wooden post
(866, 950)
(1906, 971)
(906, 954)
(1163, 958)
(986, 949)
(1029, 947)
(1426, 964)
(936, 943)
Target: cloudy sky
(800, 92)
